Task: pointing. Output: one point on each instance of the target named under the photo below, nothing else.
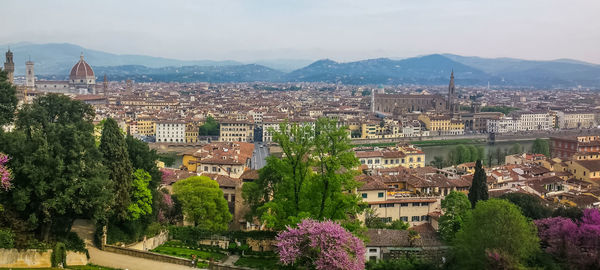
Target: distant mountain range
(57, 59)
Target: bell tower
(30, 75)
(9, 66)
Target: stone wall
(216, 266)
(147, 255)
(151, 243)
(261, 245)
(32, 258)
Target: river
(443, 150)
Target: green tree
(335, 161)
(144, 158)
(499, 156)
(141, 196)
(365, 92)
(541, 146)
(479, 189)
(531, 206)
(473, 153)
(203, 203)
(398, 224)
(438, 162)
(288, 205)
(288, 189)
(58, 175)
(209, 128)
(116, 160)
(490, 158)
(455, 207)
(480, 153)
(495, 226)
(463, 154)
(516, 149)
(8, 100)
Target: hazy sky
(342, 30)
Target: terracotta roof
(592, 165)
(81, 70)
(250, 174)
(223, 180)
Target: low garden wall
(147, 255)
(34, 258)
(214, 266)
(151, 243)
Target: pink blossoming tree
(577, 243)
(321, 245)
(5, 173)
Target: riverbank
(427, 143)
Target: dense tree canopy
(465, 153)
(203, 203)
(541, 146)
(142, 157)
(209, 128)
(531, 206)
(493, 232)
(55, 164)
(310, 179)
(455, 206)
(116, 159)
(141, 195)
(8, 99)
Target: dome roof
(81, 70)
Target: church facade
(398, 104)
(81, 79)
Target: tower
(372, 100)
(29, 75)
(451, 105)
(9, 66)
(105, 86)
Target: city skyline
(342, 31)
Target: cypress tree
(479, 189)
(116, 160)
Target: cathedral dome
(81, 72)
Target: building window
(364, 195)
(403, 204)
(424, 204)
(372, 250)
(380, 195)
(424, 218)
(390, 205)
(415, 204)
(418, 159)
(405, 219)
(415, 218)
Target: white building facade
(170, 131)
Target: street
(259, 156)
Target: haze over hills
(57, 59)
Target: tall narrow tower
(372, 100)
(105, 86)
(9, 66)
(30, 75)
(451, 105)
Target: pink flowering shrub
(165, 208)
(166, 175)
(320, 245)
(577, 243)
(5, 173)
